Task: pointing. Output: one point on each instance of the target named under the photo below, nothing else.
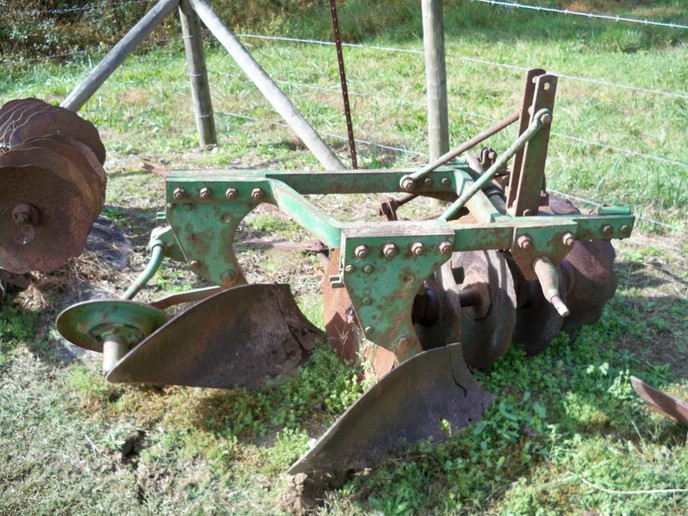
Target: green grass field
(566, 435)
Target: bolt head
(349, 268)
(445, 181)
(427, 182)
(524, 242)
(390, 250)
(446, 247)
(417, 248)
(206, 193)
(229, 277)
(568, 239)
(257, 194)
(368, 330)
(408, 184)
(361, 251)
(179, 193)
(403, 341)
(231, 193)
(607, 230)
(546, 119)
(625, 230)
(194, 264)
(367, 301)
(368, 268)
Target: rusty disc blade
(591, 281)
(59, 121)
(49, 184)
(241, 337)
(404, 407)
(18, 117)
(11, 111)
(661, 402)
(487, 325)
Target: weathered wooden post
(198, 75)
(267, 86)
(435, 78)
(80, 95)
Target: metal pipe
(528, 134)
(157, 254)
(114, 348)
(466, 146)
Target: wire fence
(389, 99)
(599, 16)
(82, 8)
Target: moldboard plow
(421, 300)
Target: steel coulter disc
(85, 324)
(59, 121)
(665, 404)
(404, 407)
(241, 337)
(487, 326)
(537, 321)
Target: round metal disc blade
(91, 173)
(591, 282)
(537, 321)
(405, 406)
(60, 121)
(49, 183)
(8, 110)
(18, 118)
(487, 327)
(240, 337)
(85, 324)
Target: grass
(566, 433)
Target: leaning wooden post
(267, 87)
(85, 90)
(198, 75)
(435, 78)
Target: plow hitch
(423, 301)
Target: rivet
(170, 206)
(187, 207)
(194, 264)
(257, 194)
(445, 247)
(369, 329)
(179, 193)
(229, 277)
(427, 182)
(403, 341)
(368, 268)
(367, 301)
(389, 250)
(607, 230)
(546, 119)
(361, 251)
(231, 193)
(445, 181)
(349, 268)
(625, 230)
(226, 218)
(206, 193)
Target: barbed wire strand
(471, 60)
(425, 155)
(622, 150)
(86, 7)
(608, 17)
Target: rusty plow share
(421, 300)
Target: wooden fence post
(94, 80)
(198, 75)
(435, 78)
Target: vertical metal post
(198, 75)
(435, 78)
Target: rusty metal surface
(661, 402)
(241, 337)
(51, 185)
(537, 321)
(406, 406)
(59, 121)
(486, 326)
